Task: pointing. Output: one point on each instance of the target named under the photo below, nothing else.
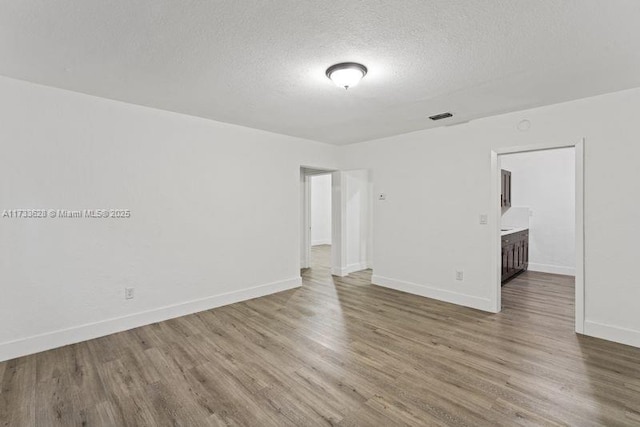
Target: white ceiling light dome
(346, 74)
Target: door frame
(305, 230)
(496, 294)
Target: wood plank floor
(338, 351)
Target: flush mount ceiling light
(346, 74)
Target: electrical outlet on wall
(459, 275)
(128, 293)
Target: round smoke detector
(524, 125)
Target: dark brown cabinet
(515, 254)
(505, 197)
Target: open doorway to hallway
(339, 202)
(317, 227)
(320, 220)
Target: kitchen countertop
(512, 230)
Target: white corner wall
(320, 209)
(351, 222)
(544, 182)
(214, 215)
(437, 182)
(358, 219)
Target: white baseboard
(37, 343)
(351, 268)
(483, 304)
(612, 333)
(553, 269)
(321, 242)
(338, 272)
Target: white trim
(535, 147)
(496, 294)
(305, 256)
(37, 343)
(357, 266)
(321, 242)
(553, 269)
(580, 236)
(612, 333)
(494, 228)
(434, 293)
(338, 225)
(351, 268)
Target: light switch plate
(484, 219)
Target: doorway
(534, 235)
(351, 218)
(320, 221)
(317, 222)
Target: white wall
(358, 219)
(321, 209)
(515, 217)
(439, 181)
(215, 214)
(544, 182)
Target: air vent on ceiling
(441, 116)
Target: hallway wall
(544, 182)
(320, 209)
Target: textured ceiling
(261, 63)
